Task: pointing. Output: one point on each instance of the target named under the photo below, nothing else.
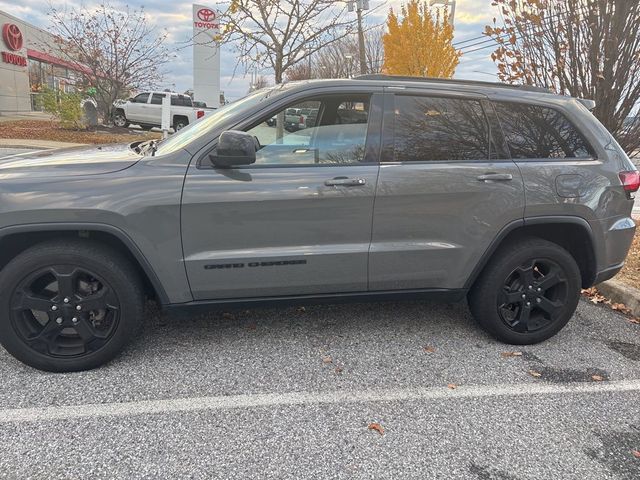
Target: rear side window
(533, 131)
(439, 129)
(156, 98)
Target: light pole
(349, 58)
(359, 6)
(445, 3)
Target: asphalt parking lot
(291, 393)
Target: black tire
(120, 120)
(515, 299)
(179, 123)
(49, 340)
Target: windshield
(196, 130)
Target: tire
(496, 299)
(180, 123)
(41, 329)
(120, 120)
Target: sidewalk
(14, 116)
(36, 144)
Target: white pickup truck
(145, 109)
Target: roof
(402, 78)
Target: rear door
(446, 188)
(296, 222)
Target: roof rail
(404, 78)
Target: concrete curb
(619, 292)
(36, 144)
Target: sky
(175, 17)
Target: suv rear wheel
(179, 123)
(527, 292)
(69, 305)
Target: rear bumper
(608, 273)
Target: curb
(619, 292)
(36, 144)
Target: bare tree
(339, 59)
(279, 34)
(299, 71)
(583, 48)
(115, 50)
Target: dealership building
(30, 61)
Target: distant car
(145, 109)
(271, 121)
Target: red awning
(45, 57)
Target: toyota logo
(206, 14)
(12, 36)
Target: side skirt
(437, 295)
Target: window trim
(565, 114)
(372, 139)
(390, 119)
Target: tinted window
(175, 100)
(142, 98)
(156, 98)
(432, 128)
(532, 131)
(329, 130)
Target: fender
(524, 222)
(100, 227)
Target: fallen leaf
(511, 354)
(452, 386)
(377, 427)
(597, 378)
(429, 349)
(338, 369)
(228, 316)
(635, 320)
(301, 309)
(636, 453)
(621, 307)
(327, 359)
(533, 373)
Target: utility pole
(359, 6)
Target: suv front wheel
(120, 119)
(527, 293)
(68, 305)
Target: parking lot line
(22, 415)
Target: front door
(445, 190)
(296, 222)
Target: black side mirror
(235, 148)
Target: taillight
(630, 180)
(200, 114)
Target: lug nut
(74, 320)
(66, 300)
(78, 308)
(59, 320)
(54, 308)
(524, 296)
(528, 304)
(538, 300)
(530, 287)
(539, 289)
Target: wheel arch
(177, 117)
(18, 238)
(574, 234)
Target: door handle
(345, 182)
(495, 177)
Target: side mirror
(235, 148)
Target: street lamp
(359, 6)
(349, 58)
(445, 3)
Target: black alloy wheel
(533, 295)
(527, 292)
(64, 311)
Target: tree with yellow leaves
(420, 43)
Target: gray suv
(399, 188)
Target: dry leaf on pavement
(327, 359)
(511, 354)
(301, 309)
(597, 378)
(636, 453)
(533, 373)
(338, 369)
(228, 316)
(452, 386)
(377, 427)
(429, 349)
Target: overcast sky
(175, 17)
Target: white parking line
(21, 415)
